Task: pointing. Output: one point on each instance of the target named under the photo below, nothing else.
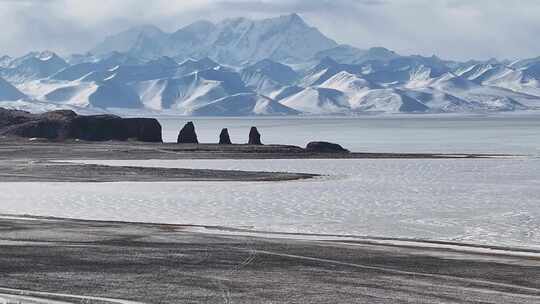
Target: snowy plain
(489, 201)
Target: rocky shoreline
(29, 143)
(65, 125)
(24, 160)
(21, 148)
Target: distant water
(413, 133)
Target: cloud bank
(454, 29)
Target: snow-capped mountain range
(276, 66)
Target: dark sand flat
(23, 160)
(46, 150)
(44, 171)
(152, 263)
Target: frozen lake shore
(461, 198)
(478, 201)
(102, 262)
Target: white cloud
(459, 29)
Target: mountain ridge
(273, 66)
(251, 40)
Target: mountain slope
(486, 98)
(244, 104)
(33, 66)
(314, 100)
(9, 92)
(325, 70)
(441, 102)
(104, 95)
(75, 94)
(124, 41)
(351, 55)
(387, 101)
(523, 77)
(107, 63)
(404, 69)
(191, 91)
(266, 77)
(285, 38)
(517, 81)
(349, 83)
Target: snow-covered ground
(490, 201)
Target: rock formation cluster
(65, 125)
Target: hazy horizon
(450, 29)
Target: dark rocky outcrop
(105, 127)
(325, 147)
(66, 124)
(187, 135)
(13, 117)
(224, 138)
(254, 137)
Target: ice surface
(493, 201)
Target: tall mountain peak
(124, 41)
(295, 18)
(234, 41)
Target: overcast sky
(453, 29)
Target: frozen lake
(508, 133)
(493, 201)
